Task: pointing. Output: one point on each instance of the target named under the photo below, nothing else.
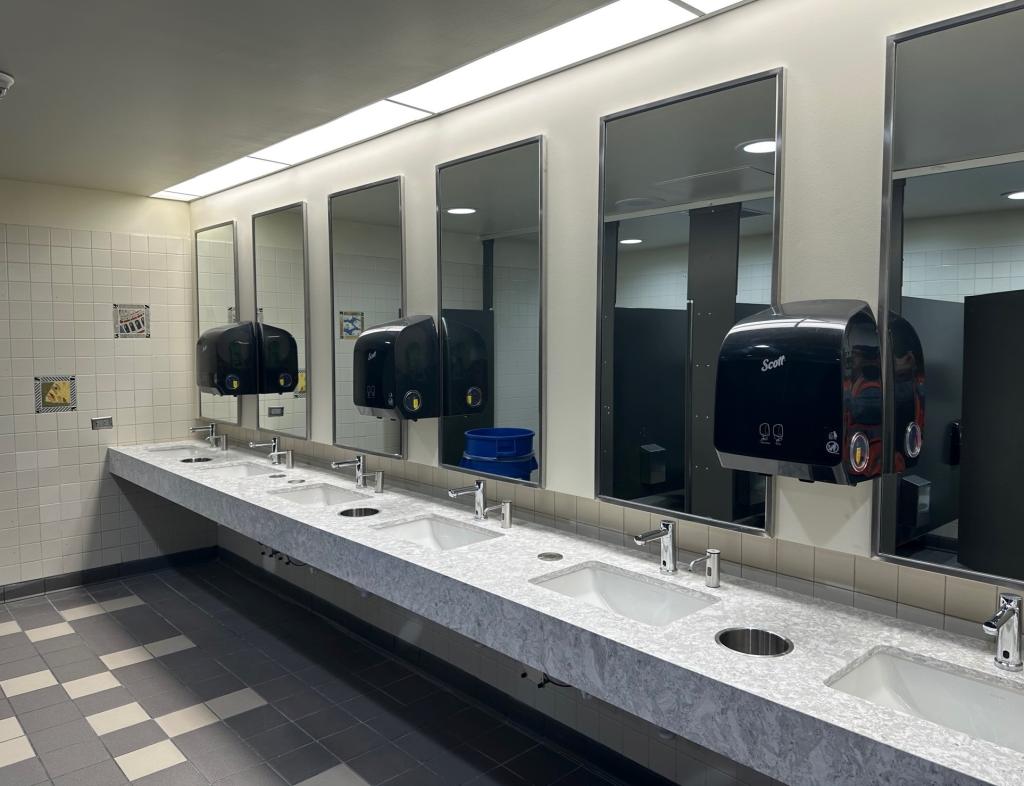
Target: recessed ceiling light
(461, 211)
(758, 146)
(630, 241)
(1014, 195)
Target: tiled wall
(60, 512)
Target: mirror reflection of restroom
(956, 273)
(490, 305)
(216, 303)
(688, 249)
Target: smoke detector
(6, 83)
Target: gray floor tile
(70, 598)
(19, 668)
(19, 651)
(78, 669)
(106, 773)
(74, 757)
(224, 760)
(385, 673)
(104, 700)
(459, 765)
(299, 705)
(57, 737)
(500, 776)
(9, 642)
(47, 717)
(69, 655)
(184, 774)
(411, 689)
(59, 644)
(420, 776)
(303, 764)
(258, 776)
(541, 766)
(503, 743)
(256, 721)
(216, 735)
(37, 699)
(326, 722)
(353, 742)
(281, 687)
(168, 701)
(252, 668)
(218, 686)
(144, 624)
(278, 741)
(133, 738)
(382, 763)
(24, 773)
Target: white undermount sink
(942, 694)
(437, 534)
(245, 469)
(181, 451)
(649, 601)
(321, 494)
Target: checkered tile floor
(200, 676)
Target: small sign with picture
(131, 321)
(350, 324)
(56, 394)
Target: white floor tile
(117, 718)
(236, 703)
(152, 758)
(86, 686)
(49, 632)
(165, 647)
(81, 612)
(122, 658)
(28, 683)
(13, 751)
(122, 603)
(7, 628)
(9, 729)
(188, 719)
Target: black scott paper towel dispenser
(466, 367)
(278, 359)
(799, 393)
(226, 360)
(908, 384)
(395, 370)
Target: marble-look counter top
(776, 715)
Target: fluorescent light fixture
(710, 6)
(630, 241)
(758, 146)
(173, 195)
(346, 130)
(602, 30)
(461, 211)
(233, 174)
(1014, 195)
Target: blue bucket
(519, 468)
(499, 443)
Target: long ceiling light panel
(608, 28)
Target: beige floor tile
(81, 612)
(186, 720)
(86, 686)
(165, 647)
(9, 729)
(28, 683)
(13, 751)
(7, 628)
(152, 758)
(122, 603)
(122, 658)
(236, 703)
(49, 632)
(117, 718)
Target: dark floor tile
(470, 723)
(78, 669)
(70, 598)
(382, 763)
(353, 742)
(258, 776)
(385, 673)
(498, 777)
(218, 686)
(74, 757)
(223, 760)
(541, 766)
(298, 705)
(460, 765)
(303, 764)
(109, 591)
(326, 722)
(278, 741)
(34, 613)
(56, 737)
(145, 671)
(37, 699)
(9, 642)
(193, 664)
(411, 689)
(503, 743)
(341, 690)
(48, 717)
(144, 624)
(59, 643)
(392, 723)
(133, 738)
(18, 652)
(419, 776)
(280, 687)
(584, 777)
(425, 745)
(19, 668)
(256, 721)
(216, 735)
(370, 705)
(168, 701)
(252, 668)
(106, 773)
(183, 774)
(436, 708)
(104, 700)
(68, 655)
(25, 773)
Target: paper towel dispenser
(278, 359)
(799, 393)
(908, 382)
(226, 360)
(467, 358)
(395, 370)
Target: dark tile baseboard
(583, 747)
(28, 589)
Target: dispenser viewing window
(799, 393)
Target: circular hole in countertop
(196, 460)
(754, 641)
(359, 512)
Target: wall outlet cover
(102, 422)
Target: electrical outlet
(101, 423)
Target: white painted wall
(834, 53)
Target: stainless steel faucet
(218, 441)
(505, 506)
(712, 567)
(359, 462)
(1005, 626)
(277, 456)
(478, 490)
(666, 533)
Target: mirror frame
(890, 286)
(403, 425)
(305, 289)
(234, 252)
(776, 285)
(542, 305)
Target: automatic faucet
(277, 456)
(359, 462)
(478, 490)
(1006, 628)
(666, 533)
(218, 441)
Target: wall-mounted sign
(131, 321)
(350, 324)
(56, 394)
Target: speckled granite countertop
(776, 715)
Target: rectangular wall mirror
(282, 300)
(689, 246)
(367, 286)
(491, 301)
(216, 303)
(954, 271)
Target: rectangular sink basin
(942, 694)
(243, 470)
(648, 601)
(321, 494)
(180, 451)
(437, 534)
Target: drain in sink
(549, 556)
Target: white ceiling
(134, 95)
(966, 191)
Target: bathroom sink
(649, 601)
(243, 470)
(437, 534)
(322, 494)
(180, 451)
(970, 702)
